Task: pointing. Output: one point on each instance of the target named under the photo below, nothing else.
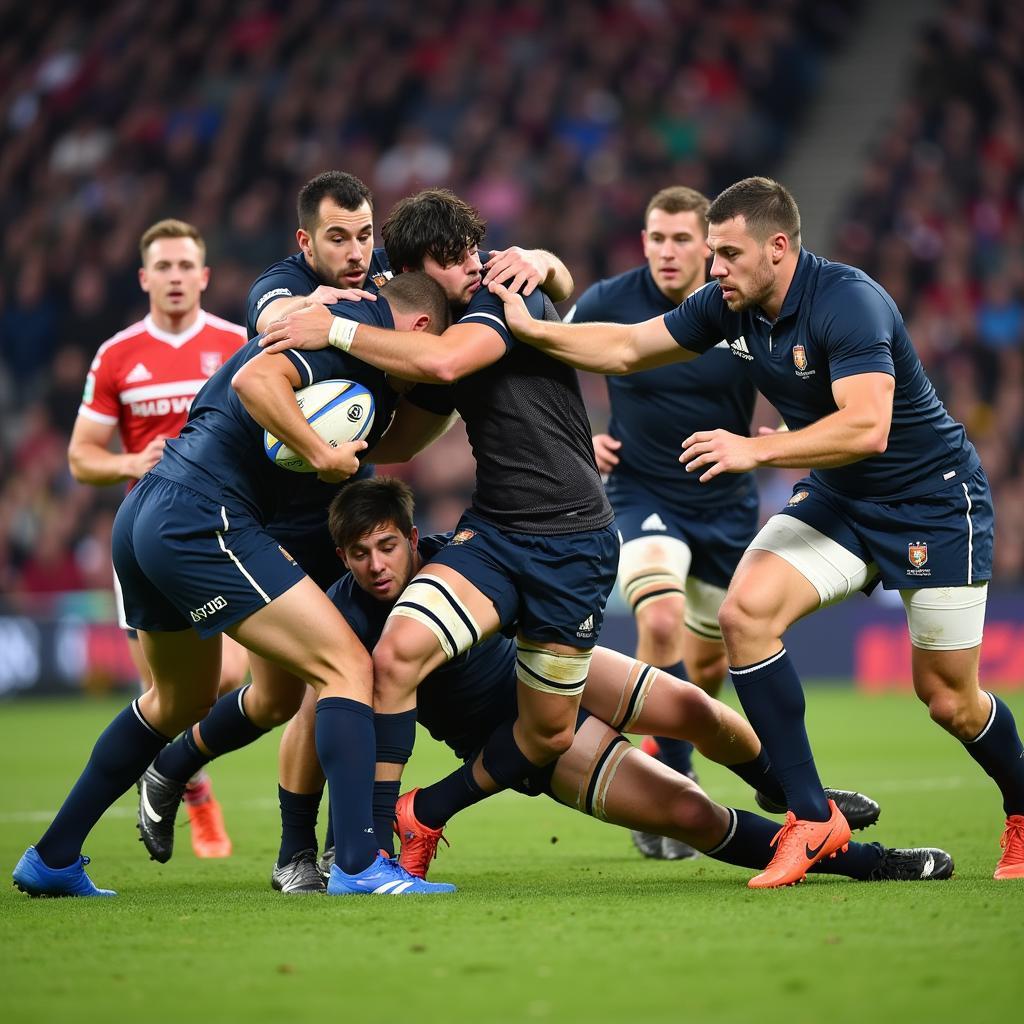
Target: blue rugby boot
(384, 877)
(33, 877)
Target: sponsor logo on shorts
(211, 607)
(800, 361)
(463, 536)
(585, 630)
(797, 498)
(917, 555)
(654, 522)
(210, 363)
(286, 555)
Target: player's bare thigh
(185, 672)
(298, 766)
(617, 783)
(429, 625)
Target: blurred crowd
(557, 121)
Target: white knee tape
(651, 568)
(550, 672)
(946, 618)
(432, 602)
(703, 600)
(832, 570)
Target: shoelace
(203, 822)
(1012, 839)
(788, 826)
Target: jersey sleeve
(100, 401)
(697, 324)
(857, 332)
(279, 282)
(486, 308)
(331, 363)
(436, 398)
(589, 307)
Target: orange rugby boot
(1011, 863)
(209, 836)
(419, 843)
(799, 844)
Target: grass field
(557, 919)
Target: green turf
(556, 919)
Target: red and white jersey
(144, 379)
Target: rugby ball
(338, 410)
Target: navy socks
(346, 745)
(759, 776)
(435, 804)
(123, 752)
(385, 796)
(773, 702)
(224, 729)
(997, 748)
(299, 812)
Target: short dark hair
(345, 189)
(680, 199)
(765, 205)
(418, 292)
(434, 222)
(364, 506)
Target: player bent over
(896, 492)
(601, 774)
(140, 385)
(191, 550)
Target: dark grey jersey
(530, 434)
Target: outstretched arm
(601, 348)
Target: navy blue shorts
(183, 560)
(716, 537)
(555, 587)
(942, 539)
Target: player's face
(742, 265)
(341, 246)
(174, 276)
(676, 251)
(460, 280)
(382, 561)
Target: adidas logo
(586, 627)
(739, 348)
(653, 522)
(138, 374)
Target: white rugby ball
(338, 410)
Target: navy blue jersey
(836, 322)
(220, 452)
(478, 684)
(527, 425)
(294, 276)
(654, 410)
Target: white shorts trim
(946, 618)
(122, 619)
(832, 570)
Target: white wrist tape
(342, 332)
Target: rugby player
(191, 549)
(537, 548)
(464, 700)
(681, 540)
(896, 494)
(140, 386)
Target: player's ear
(143, 279)
(341, 555)
(414, 538)
(779, 246)
(422, 323)
(204, 278)
(304, 240)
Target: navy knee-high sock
(224, 729)
(298, 823)
(436, 804)
(345, 744)
(747, 843)
(677, 754)
(396, 736)
(773, 702)
(121, 754)
(759, 776)
(998, 749)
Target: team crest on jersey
(917, 554)
(462, 536)
(286, 555)
(798, 497)
(800, 357)
(381, 278)
(210, 363)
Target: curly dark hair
(434, 222)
